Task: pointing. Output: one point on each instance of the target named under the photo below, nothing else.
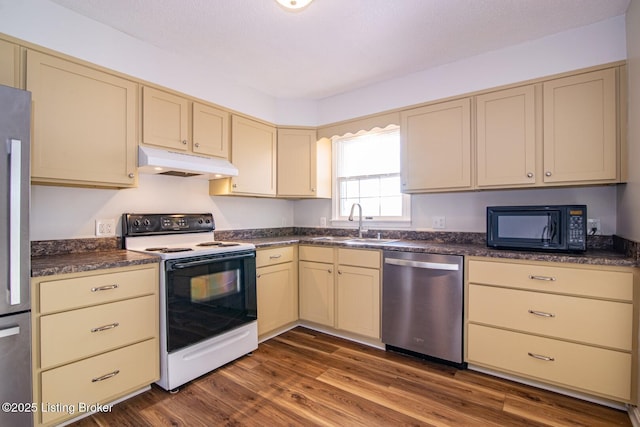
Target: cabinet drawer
(273, 256)
(75, 334)
(316, 254)
(576, 281)
(592, 321)
(65, 294)
(136, 367)
(359, 258)
(589, 369)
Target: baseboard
(634, 415)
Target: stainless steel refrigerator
(15, 301)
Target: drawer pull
(105, 376)
(275, 256)
(544, 278)
(104, 288)
(105, 327)
(541, 313)
(541, 357)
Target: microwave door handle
(15, 220)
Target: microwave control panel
(577, 229)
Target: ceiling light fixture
(294, 5)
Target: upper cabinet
(84, 124)
(559, 132)
(253, 152)
(581, 129)
(436, 147)
(9, 64)
(177, 123)
(304, 164)
(506, 137)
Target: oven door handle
(181, 265)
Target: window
(367, 171)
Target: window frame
(402, 221)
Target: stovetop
(172, 236)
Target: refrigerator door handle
(15, 225)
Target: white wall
(466, 211)
(629, 194)
(594, 44)
(67, 213)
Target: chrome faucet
(360, 230)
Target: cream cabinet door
(9, 64)
(253, 152)
(317, 292)
(304, 164)
(84, 124)
(358, 300)
(277, 296)
(210, 131)
(580, 137)
(165, 119)
(506, 138)
(436, 147)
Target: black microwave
(540, 228)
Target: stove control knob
(200, 221)
(147, 222)
(136, 223)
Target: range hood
(166, 162)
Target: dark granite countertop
(48, 265)
(76, 255)
(592, 256)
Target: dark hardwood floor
(305, 378)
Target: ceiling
(335, 46)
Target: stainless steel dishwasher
(422, 304)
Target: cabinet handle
(543, 278)
(329, 271)
(313, 190)
(131, 175)
(106, 376)
(235, 185)
(184, 142)
(529, 175)
(541, 357)
(547, 173)
(104, 288)
(197, 144)
(340, 272)
(541, 313)
(275, 256)
(105, 327)
(258, 276)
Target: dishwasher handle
(422, 264)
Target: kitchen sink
(331, 238)
(354, 240)
(368, 240)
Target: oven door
(209, 295)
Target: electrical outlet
(439, 223)
(323, 221)
(105, 227)
(593, 227)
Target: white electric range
(208, 311)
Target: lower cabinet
(277, 288)
(95, 339)
(567, 326)
(340, 288)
